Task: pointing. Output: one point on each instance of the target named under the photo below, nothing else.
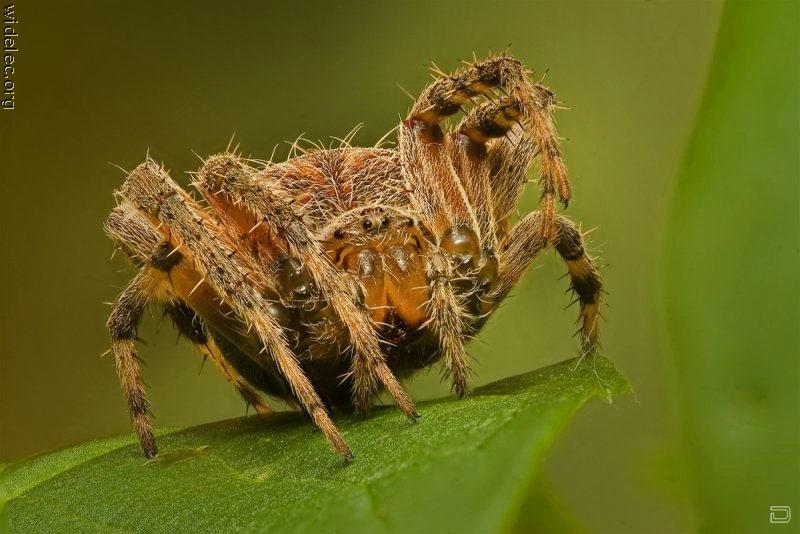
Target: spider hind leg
(192, 327)
(122, 324)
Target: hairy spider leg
(163, 271)
(236, 281)
(193, 328)
(526, 242)
(122, 324)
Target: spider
(327, 278)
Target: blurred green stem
(732, 275)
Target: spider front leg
(439, 197)
(450, 183)
(526, 242)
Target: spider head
(365, 224)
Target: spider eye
(339, 233)
(385, 222)
(367, 224)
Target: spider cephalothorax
(322, 279)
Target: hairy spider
(324, 279)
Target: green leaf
(732, 281)
(465, 467)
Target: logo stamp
(780, 515)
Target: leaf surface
(465, 467)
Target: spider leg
(235, 279)
(480, 181)
(441, 201)
(230, 185)
(439, 196)
(192, 327)
(431, 180)
(146, 287)
(449, 320)
(470, 154)
(534, 101)
(161, 272)
(509, 158)
(526, 242)
(122, 324)
(145, 243)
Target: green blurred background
(103, 82)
